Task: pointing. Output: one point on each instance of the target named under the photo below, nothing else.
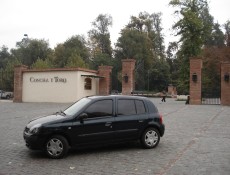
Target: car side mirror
(82, 116)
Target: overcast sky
(58, 20)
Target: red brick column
(18, 79)
(195, 81)
(225, 84)
(105, 83)
(128, 66)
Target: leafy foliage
(72, 49)
(227, 34)
(42, 64)
(142, 40)
(76, 60)
(99, 41)
(4, 56)
(29, 50)
(7, 74)
(194, 27)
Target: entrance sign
(47, 80)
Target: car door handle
(140, 121)
(108, 123)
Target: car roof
(117, 96)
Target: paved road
(196, 141)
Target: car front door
(97, 127)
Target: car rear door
(130, 118)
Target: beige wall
(56, 86)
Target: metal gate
(211, 87)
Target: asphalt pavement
(196, 141)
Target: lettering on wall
(48, 80)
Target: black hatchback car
(96, 120)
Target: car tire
(7, 97)
(150, 138)
(56, 147)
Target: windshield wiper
(61, 113)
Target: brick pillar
(105, 83)
(225, 84)
(128, 66)
(195, 81)
(18, 79)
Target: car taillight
(161, 119)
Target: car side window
(126, 107)
(100, 108)
(140, 106)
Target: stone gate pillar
(195, 81)
(18, 79)
(128, 66)
(225, 84)
(105, 83)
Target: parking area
(196, 141)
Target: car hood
(44, 120)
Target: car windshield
(76, 106)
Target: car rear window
(140, 106)
(152, 108)
(126, 107)
(130, 107)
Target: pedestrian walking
(163, 96)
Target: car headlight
(34, 129)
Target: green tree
(4, 56)
(72, 47)
(194, 27)
(99, 35)
(136, 45)
(172, 49)
(142, 39)
(159, 76)
(7, 79)
(76, 60)
(227, 32)
(157, 36)
(150, 25)
(42, 64)
(99, 41)
(29, 50)
(171, 58)
(216, 38)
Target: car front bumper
(34, 142)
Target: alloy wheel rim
(54, 147)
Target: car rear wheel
(56, 147)
(150, 138)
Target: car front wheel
(150, 138)
(56, 147)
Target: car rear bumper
(162, 130)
